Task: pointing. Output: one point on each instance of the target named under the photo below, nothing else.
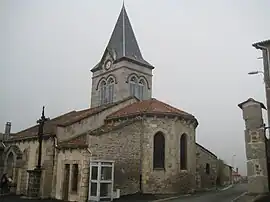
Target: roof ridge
(50, 121)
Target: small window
(141, 89)
(103, 89)
(183, 152)
(110, 90)
(207, 168)
(133, 86)
(159, 151)
(75, 177)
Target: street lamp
(256, 72)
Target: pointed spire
(123, 42)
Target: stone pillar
(255, 146)
(34, 183)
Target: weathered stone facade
(132, 149)
(255, 146)
(206, 168)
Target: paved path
(215, 196)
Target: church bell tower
(122, 70)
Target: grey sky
(201, 50)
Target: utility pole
(264, 46)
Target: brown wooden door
(66, 182)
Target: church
(151, 145)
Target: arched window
(133, 86)
(207, 168)
(103, 99)
(159, 151)
(110, 90)
(10, 164)
(183, 152)
(141, 86)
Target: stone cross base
(34, 183)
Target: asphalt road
(212, 196)
(215, 196)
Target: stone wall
(89, 123)
(121, 71)
(205, 158)
(255, 146)
(72, 156)
(29, 148)
(123, 146)
(172, 179)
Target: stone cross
(255, 141)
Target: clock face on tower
(108, 64)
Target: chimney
(236, 170)
(7, 130)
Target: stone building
(152, 144)
(206, 167)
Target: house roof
(123, 43)
(149, 107)
(202, 147)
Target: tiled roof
(49, 127)
(63, 120)
(111, 126)
(76, 142)
(149, 107)
(90, 112)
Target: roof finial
(123, 6)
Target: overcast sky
(201, 50)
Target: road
(212, 196)
(215, 196)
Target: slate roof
(123, 43)
(149, 107)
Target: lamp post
(41, 123)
